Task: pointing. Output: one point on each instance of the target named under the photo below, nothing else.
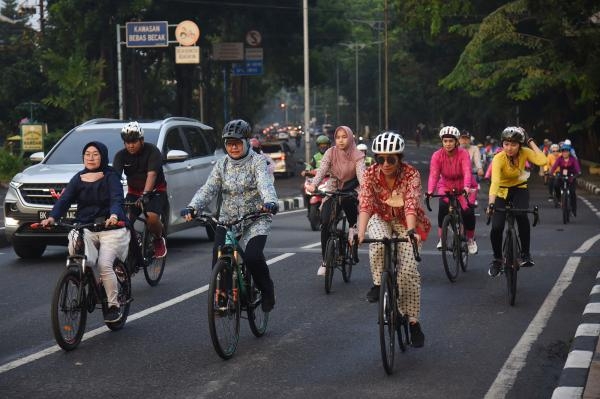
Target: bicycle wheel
(330, 262)
(449, 250)
(69, 310)
(124, 295)
(387, 321)
(153, 267)
(223, 310)
(257, 319)
(463, 249)
(511, 266)
(347, 262)
(564, 202)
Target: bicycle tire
(124, 295)
(223, 321)
(330, 261)
(565, 206)
(387, 321)
(449, 252)
(257, 319)
(68, 311)
(348, 262)
(461, 242)
(510, 266)
(153, 267)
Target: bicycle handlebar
(205, 217)
(336, 193)
(534, 211)
(93, 225)
(448, 194)
(394, 240)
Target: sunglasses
(391, 160)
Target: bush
(10, 165)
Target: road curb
(589, 186)
(288, 204)
(580, 377)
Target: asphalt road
(317, 345)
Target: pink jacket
(449, 172)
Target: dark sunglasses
(391, 160)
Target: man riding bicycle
(98, 193)
(390, 202)
(244, 185)
(509, 184)
(142, 164)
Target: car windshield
(271, 148)
(69, 150)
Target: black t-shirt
(137, 166)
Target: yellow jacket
(551, 159)
(506, 175)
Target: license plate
(44, 215)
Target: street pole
(306, 81)
(385, 79)
(119, 73)
(357, 126)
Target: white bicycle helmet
(388, 143)
(362, 147)
(132, 132)
(449, 131)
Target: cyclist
(465, 141)
(257, 148)
(368, 160)
(553, 154)
(242, 185)
(509, 183)
(450, 168)
(390, 202)
(323, 144)
(98, 193)
(345, 165)
(142, 164)
(569, 163)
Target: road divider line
(100, 330)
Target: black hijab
(103, 155)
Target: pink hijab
(343, 162)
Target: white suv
(190, 149)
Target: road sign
(147, 34)
(253, 38)
(247, 68)
(187, 33)
(254, 54)
(187, 55)
(228, 51)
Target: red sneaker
(160, 247)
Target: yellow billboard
(32, 137)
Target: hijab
(89, 175)
(343, 162)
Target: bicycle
(454, 241)
(339, 253)
(567, 205)
(511, 246)
(390, 319)
(141, 248)
(77, 292)
(231, 291)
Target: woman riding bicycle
(450, 169)
(390, 202)
(345, 165)
(243, 185)
(98, 193)
(509, 184)
(569, 163)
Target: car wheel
(28, 250)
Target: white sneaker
(321, 271)
(472, 245)
(439, 245)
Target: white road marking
(100, 330)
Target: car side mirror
(176, 156)
(36, 157)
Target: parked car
(190, 149)
(282, 155)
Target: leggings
(253, 257)
(468, 217)
(350, 207)
(520, 199)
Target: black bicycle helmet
(237, 129)
(513, 133)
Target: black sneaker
(373, 294)
(526, 260)
(268, 301)
(113, 314)
(417, 338)
(495, 268)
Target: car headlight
(15, 184)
